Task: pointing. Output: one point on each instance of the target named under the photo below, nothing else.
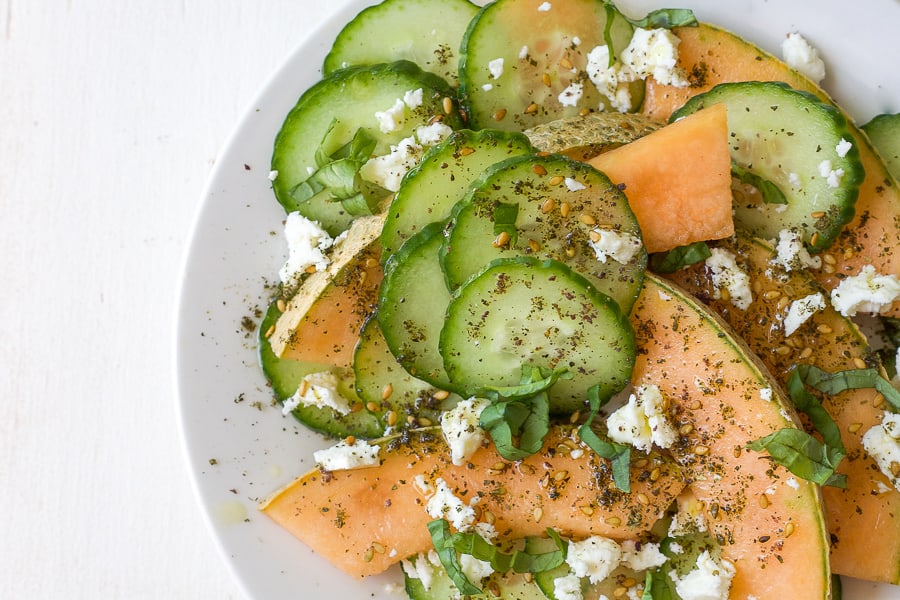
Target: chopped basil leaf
(526, 420)
(803, 455)
(658, 586)
(619, 454)
(851, 379)
(518, 561)
(442, 540)
(666, 18)
(771, 193)
(505, 220)
(678, 258)
(533, 381)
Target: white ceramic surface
(240, 448)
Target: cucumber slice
(524, 312)
(398, 27)
(381, 381)
(788, 139)
(284, 375)
(554, 199)
(544, 49)
(412, 303)
(499, 586)
(328, 116)
(430, 190)
(884, 132)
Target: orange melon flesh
(713, 55)
(344, 515)
(677, 180)
(770, 524)
(864, 518)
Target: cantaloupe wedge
(714, 55)
(321, 323)
(365, 520)
(677, 180)
(770, 525)
(865, 515)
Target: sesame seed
(817, 214)
(701, 450)
(565, 208)
(588, 219)
(392, 418)
(280, 305)
(565, 63)
(613, 521)
(424, 421)
(499, 115)
(789, 529)
(548, 205)
(556, 180)
(534, 245)
(466, 151)
(372, 406)
(539, 170)
(859, 363)
(441, 395)
(349, 440)
(587, 510)
(448, 105)
(814, 239)
(501, 240)
(763, 501)
(538, 514)
(386, 391)
(270, 331)
(531, 109)
(643, 499)
(546, 79)
(854, 427)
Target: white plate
(237, 247)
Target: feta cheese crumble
(567, 587)
(392, 118)
(320, 390)
(444, 504)
(843, 147)
(572, 94)
(832, 176)
(621, 247)
(544, 7)
(867, 292)
(882, 442)
(801, 310)
(595, 557)
(642, 556)
(496, 68)
(422, 567)
(307, 244)
(606, 78)
(573, 185)
(727, 275)
(273, 174)
(654, 53)
(461, 429)
(343, 456)
(799, 54)
(388, 170)
(709, 580)
(642, 421)
(791, 254)
(432, 135)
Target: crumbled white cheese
(621, 247)
(606, 78)
(461, 429)
(726, 274)
(792, 483)
(344, 456)
(832, 176)
(642, 556)
(391, 119)
(642, 422)
(766, 394)
(688, 520)
(572, 94)
(654, 52)
(444, 504)
(794, 180)
(595, 557)
(388, 170)
(709, 579)
(318, 389)
(496, 68)
(843, 147)
(307, 244)
(882, 442)
(544, 7)
(867, 292)
(800, 55)
(801, 310)
(487, 87)
(791, 254)
(474, 569)
(273, 174)
(573, 185)
(413, 98)
(432, 135)
(523, 52)
(567, 587)
(422, 567)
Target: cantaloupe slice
(770, 525)
(713, 55)
(677, 180)
(364, 520)
(321, 323)
(865, 515)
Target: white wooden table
(111, 116)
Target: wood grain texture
(112, 115)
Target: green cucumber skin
(411, 306)
(397, 25)
(596, 341)
(884, 133)
(350, 96)
(500, 29)
(515, 181)
(804, 150)
(285, 375)
(431, 188)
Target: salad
(564, 391)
